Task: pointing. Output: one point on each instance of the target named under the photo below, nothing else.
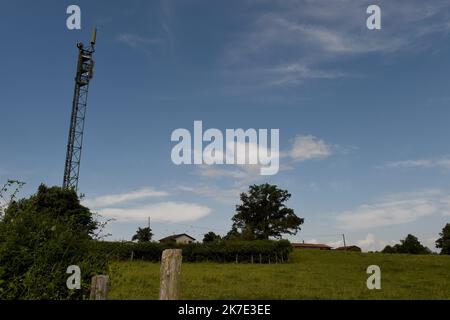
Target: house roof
(175, 236)
(310, 245)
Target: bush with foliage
(223, 251)
(410, 245)
(444, 241)
(143, 235)
(350, 248)
(211, 237)
(39, 238)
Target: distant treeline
(260, 251)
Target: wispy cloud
(443, 163)
(241, 174)
(138, 206)
(237, 177)
(296, 73)
(241, 152)
(122, 198)
(219, 194)
(297, 40)
(159, 212)
(395, 209)
(135, 41)
(369, 243)
(167, 7)
(304, 148)
(335, 244)
(224, 183)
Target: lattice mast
(84, 74)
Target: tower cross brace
(84, 73)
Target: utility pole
(84, 74)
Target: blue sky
(363, 114)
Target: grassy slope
(309, 275)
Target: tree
(412, 245)
(388, 249)
(233, 234)
(8, 193)
(40, 237)
(211, 237)
(263, 214)
(143, 235)
(443, 242)
(409, 245)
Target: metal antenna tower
(85, 69)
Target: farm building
(178, 238)
(310, 246)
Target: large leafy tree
(444, 241)
(40, 237)
(263, 214)
(412, 245)
(211, 237)
(409, 245)
(143, 235)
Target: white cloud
(162, 212)
(295, 73)
(121, 198)
(326, 39)
(220, 194)
(304, 148)
(134, 40)
(369, 241)
(336, 244)
(248, 154)
(308, 148)
(218, 172)
(443, 163)
(396, 209)
(224, 183)
(318, 33)
(242, 174)
(446, 203)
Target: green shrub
(223, 251)
(409, 245)
(39, 238)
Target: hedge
(259, 251)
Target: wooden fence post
(99, 288)
(170, 274)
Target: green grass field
(309, 275)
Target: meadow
(308, 275)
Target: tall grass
(308, 275)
